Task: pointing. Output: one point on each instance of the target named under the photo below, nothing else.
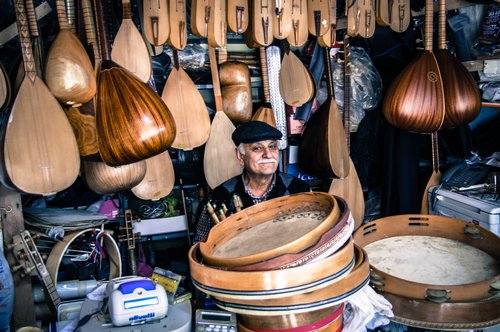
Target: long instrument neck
(25, 38)
(347, 91)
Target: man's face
(260, 158)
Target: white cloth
(99, 293)
(366, 309)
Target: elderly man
(257, 151)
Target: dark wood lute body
(133, 123)
(415, 99)
(323, 149)
(462, 96)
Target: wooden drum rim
(267, 283)
(57, 253)
(336, 326)
(261, 213)
(329, 242)
(449, 315)
(332, 322)
(328, 296)
(430, 225)
(286, 321)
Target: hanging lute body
(415, 99)
(40, 154)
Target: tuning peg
(15, 268)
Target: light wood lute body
(159, 179)
(298, 36)
(156, 23)
(219, 161)
(129, 49)
(40, 151)
(68, 71)
(318, 17)
(282, 19)
(297, 86)
(188, 109)
(178, 24)
(237, 15)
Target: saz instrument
(366, 18)
(159, 179)
(216, 23)
(297, 86)
(156, 21)
(349, 188)
(265, 112)
(178, 25)
(5, 89)
(323, 150)
(394, 13)
(40, 154)
(82, 119)
(330, 37)
(237, 15)
(318, 17)
(415, 99)
(133, 123)
(200, 14)
(300, 32)
(104, 179)
(435, 178)
(261, 21)
(352, 14)
(282, 19)
(462, 96)
(68, 71)
(462, 99)
(129, 49)
(187, 107)
(70, 13)
(91, 33)
(219, 161)
(36, 40)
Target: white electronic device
(214, 320)
(135, 300)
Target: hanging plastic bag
(366, 85)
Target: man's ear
(239, 156)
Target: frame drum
(435, 265)
(256, 234)
(433, 258)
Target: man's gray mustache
(266, 161)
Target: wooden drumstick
(222, 214)
(211, 211)
(238, 205)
